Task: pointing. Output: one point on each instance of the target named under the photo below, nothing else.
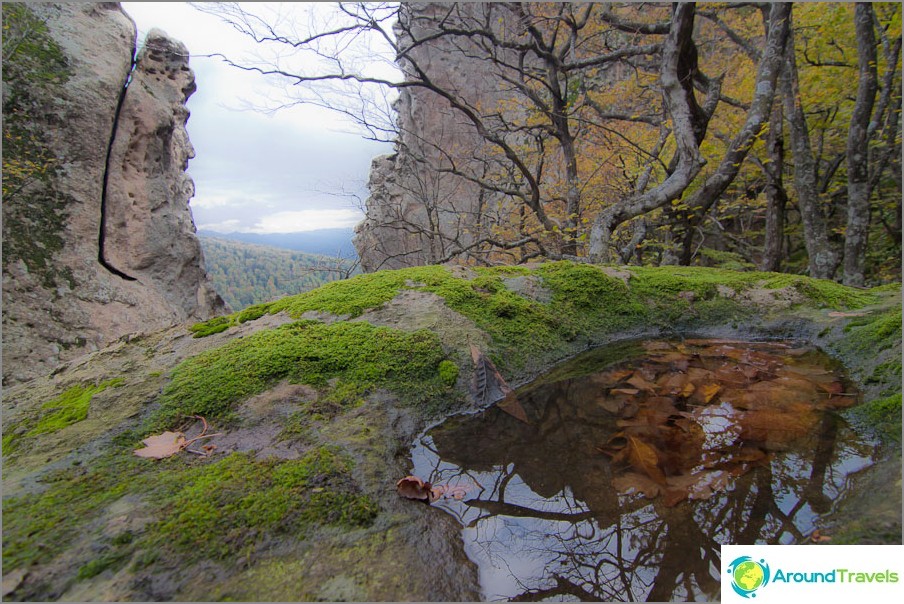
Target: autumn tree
(604, 129)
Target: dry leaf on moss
(162, 445)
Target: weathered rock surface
(125, 544)
(80, 270)
(417, 214)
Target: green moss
(37, 526)
(252, 313)
(110, 559)
(210, 327)
(882, 415)
(874, 332)
(68, 408)
(306, 352)
(353, 296)
(34, 213)
(448, 373)
(229, 505)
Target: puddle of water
(627, 477)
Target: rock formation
(99, 242)
(417, 211)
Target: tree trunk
(676, 93)
(823, 259)
(776, 198)
(858, 215)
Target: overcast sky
(257, 172)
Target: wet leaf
(616, 375)
(412, 487)
(636, 483)
(162, 445)
(706, 392)
(840, 402)
(639, 382)
(628, 391)
(644, 458)
(835, 387)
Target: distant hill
(329, 242)
(245, 274)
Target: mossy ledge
(320, 415)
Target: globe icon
(748, 575)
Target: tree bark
(776, 198)
(768, 70)
(676, 92)
(823, 258)
(858, 215)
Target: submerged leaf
(644, 458)
(631, 482)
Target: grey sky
(253, 171)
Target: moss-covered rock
(318, 415)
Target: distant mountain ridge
(329, 242)
(248, 273)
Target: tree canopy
(736, 134)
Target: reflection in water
(543, 520)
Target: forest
(245, 274)
(742, 135)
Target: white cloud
(256, 172)
(227, 226)
(307, 220)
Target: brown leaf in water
(412, 487)
(639, 382)
(644, 458)
(698, 375)
(628, 391)
(616, 375)
(161, 445)
(706, 392)
(840, 401)
(636, 483)
(657, 345)
(835, 387)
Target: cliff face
(98, 237)
(420, 208)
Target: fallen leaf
(617, 375)
(412, 487)
(631, 482)
(162, 445)
(628, 391)
(706, 392)
(835, 387)
(640, 383)
(644, 458)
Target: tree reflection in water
(543, 521)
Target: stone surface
(69, 303)
(416, 213)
